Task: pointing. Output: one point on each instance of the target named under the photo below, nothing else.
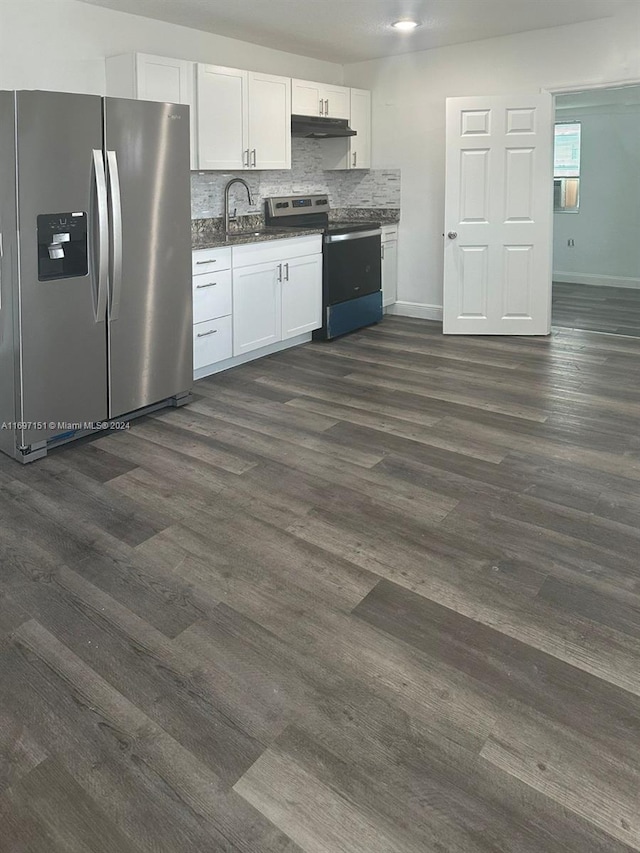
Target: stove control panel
(296, 205)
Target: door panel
(360, 145)
(64, 365)
(150, 326)
(338, 101)
(270, 121)
(498, 216)
(257, 307)
(305, 98)
(302, 296)
(222, 118)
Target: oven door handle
(353, 235)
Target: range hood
(318, 127)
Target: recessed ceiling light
(405, 26)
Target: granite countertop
(209, 233)
(216, 240)
(383, 215)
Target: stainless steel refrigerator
(95, 251)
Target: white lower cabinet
(257, 320)
(389, 265)
(212, 342)
(301, 296)
(250, 297)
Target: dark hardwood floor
(380, 595)
(601, 309)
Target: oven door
(352, 266)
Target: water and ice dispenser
(62, 246)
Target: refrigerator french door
(95, 295)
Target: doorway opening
(596, 247)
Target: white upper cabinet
(243, 119)
(360, 145)
(222, 122)
(162, 79)
(353, 152)
(336, 101)
(153, 78)
(269, 121)
(319, 99)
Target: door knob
(452, 235)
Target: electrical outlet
(571, 243)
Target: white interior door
(499, 216)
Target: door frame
(567, 89)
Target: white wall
(61, 45)
(606, 230)
(409, 95)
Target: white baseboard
(416, 309)
(600, 280)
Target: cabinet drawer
(211, 342)
(389, 232)
(209, 260)
(211, 296)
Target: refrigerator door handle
(103, 234)
(116, 235)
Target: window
(566, 167)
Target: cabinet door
(305, 98)
(257, 307)
(159, 78)
(360, 145)
(301, 295)
(389, 272)
(222, 117)
(337, 101)
(269, 121)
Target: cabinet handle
(245, 158)
(321, 107)
(253, 158)
(286, 272)
(279, 272)
(382, 252)
(199, 263)
(202, 286)
(355, 159)
(326, 107)
(206, 334)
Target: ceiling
(346, 31)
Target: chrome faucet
(226, 200)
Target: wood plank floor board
(597, 308)
(49, 812)
(219, 412)
(192, 781)
(519, 673)
(143, 666)
(375, 594)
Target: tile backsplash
(359, 188)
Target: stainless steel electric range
(352, 269)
